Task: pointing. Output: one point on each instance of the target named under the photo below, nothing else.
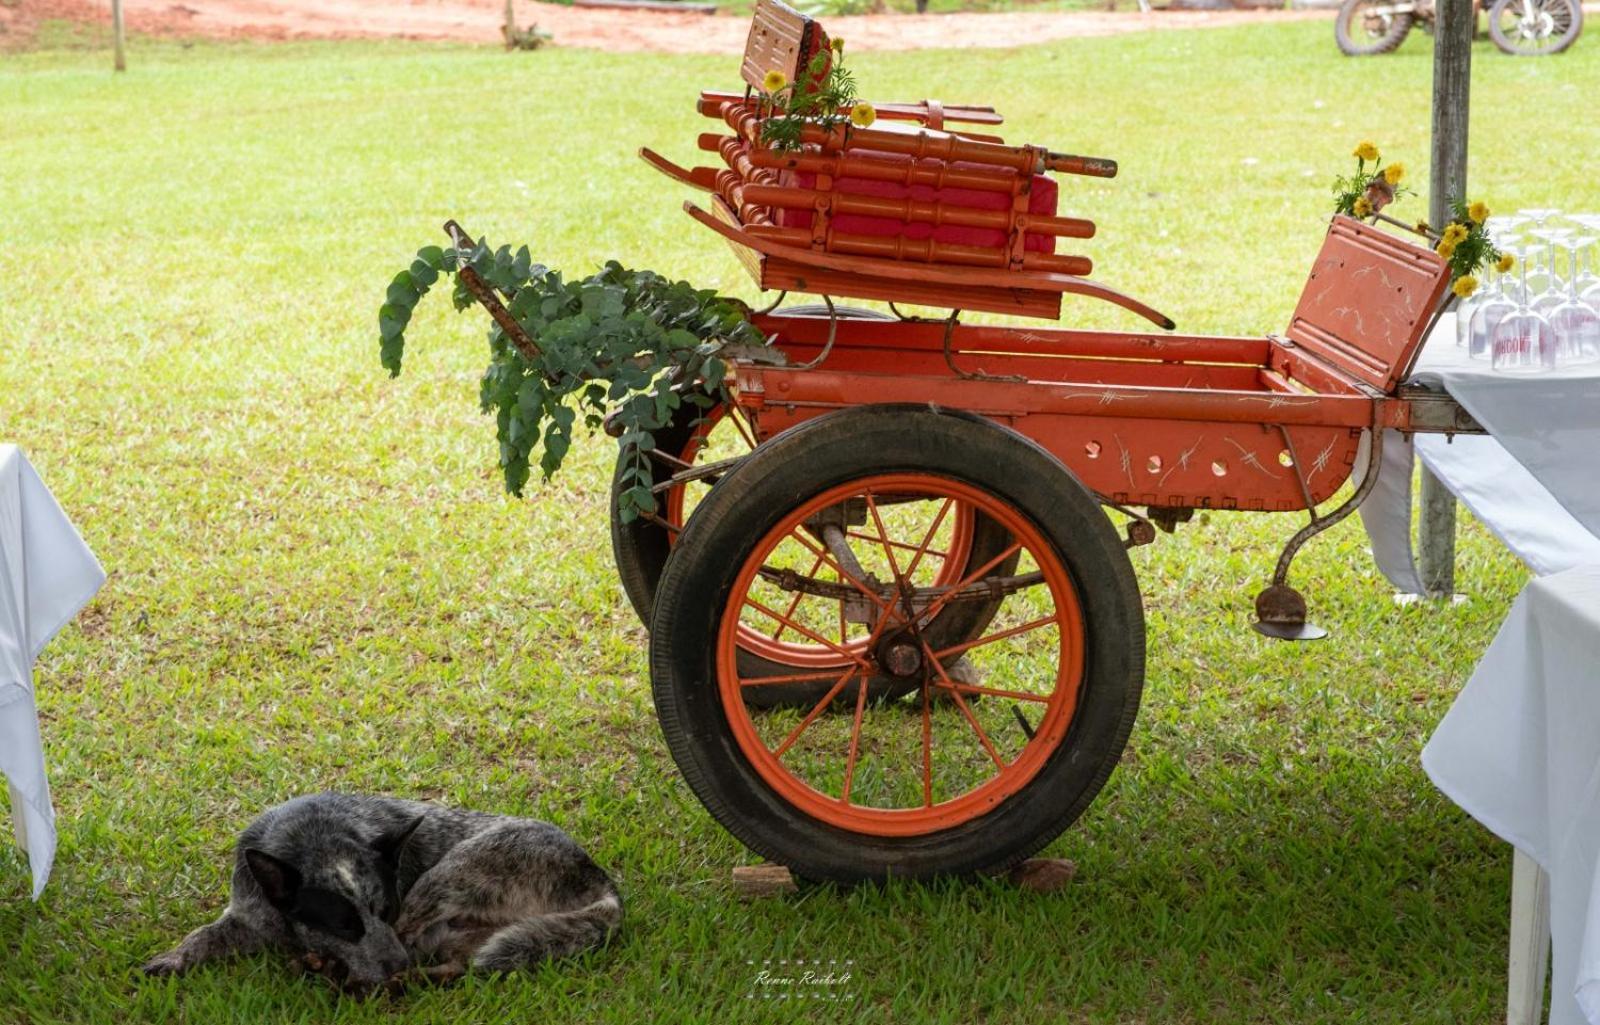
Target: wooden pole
(511, 23)
(1452, 78)
(119, 51)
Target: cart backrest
(1369, 302)
(781, 39)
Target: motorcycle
(1523, 28)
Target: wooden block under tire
(762, 880)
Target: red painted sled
(893, 631)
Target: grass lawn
(316, 581)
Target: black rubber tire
(1568, 18)
(640, 549)
(836, 449)
(1368, 45)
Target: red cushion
(1041, 201)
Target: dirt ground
(637, 30)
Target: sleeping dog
(364, 888)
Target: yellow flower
(1424, 228)
(775, 81)
(1445, 248)
(1363, 206)
(1505, 263)
(1465, 285)
(1478, 211)
(1455, 234)
(1365, 151)
(862, 115)
(838, 44)
(1393, 173)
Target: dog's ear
(390, 844)
(278, 879)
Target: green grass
(316, 582)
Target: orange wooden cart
(893, 630)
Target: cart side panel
(1132, 459)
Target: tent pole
(1452, 76)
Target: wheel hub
(901, 656)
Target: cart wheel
(641, 547)
(918, 787)
(1535, 28)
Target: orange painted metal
(1159, 420)
(1368, 294)
(1163, 420)
(928, 816)
(1029, 293)
(923, 250)
(909, 210)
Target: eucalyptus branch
(627, 343)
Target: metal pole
(119, 58)
(1452, 77)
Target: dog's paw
(170, 963)
(444, 974)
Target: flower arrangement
(1367, 192)
(825, 97)
(1466, 246)
(1463, 243)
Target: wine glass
(1490, 310)
(1523, 341)
(1554, 292)
(1539, 215)
(1575, 322)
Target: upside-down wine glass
(1523, 341)
(1495, 305)
(1540, 216)
(1575, 322)
(1554, 292)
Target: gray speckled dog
(365, 888)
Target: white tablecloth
(1520, 751)
(47, 574)
(1535, 482)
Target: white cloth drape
(1520, 752)
(47, 574)
(1535, 481)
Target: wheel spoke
(927, 746)
(767, 681)
(789, 612)
(800, 629)
(855, 741)
(939, 602)
(1032, 624)
(816, 710)
(883, 542)
(859, 536)
(845, 575)
(927, 538)
(973, 688)
(961, 703)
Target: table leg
(1530, 941)
(1436, 537)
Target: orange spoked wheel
(775, 650)
(989, 744)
